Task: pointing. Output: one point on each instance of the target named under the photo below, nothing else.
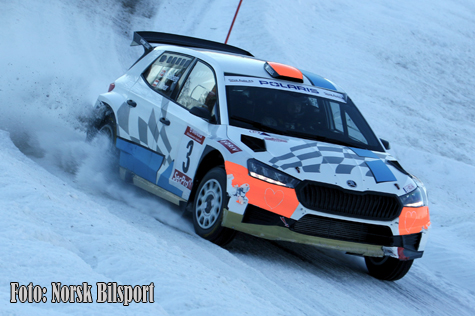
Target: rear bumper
(351, 237)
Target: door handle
(165, 121)
(132, 103)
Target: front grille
(343, 230)
(259, 216)
(331, 228)
(334, 200)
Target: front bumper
(367, 223)
(351, 237)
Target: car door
(166, 140)
(198, 91)
(143, 119)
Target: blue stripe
(380, 171)
(319, 81)
(364, 153)
(141, 161)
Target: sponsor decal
(288, 86)
(332, 94)
(197, 137)
(273, 139)
(182, 179)
(240, 80)
(408, 188)
(240, 193)
(260, 133)
(301, 88)
(229, 146)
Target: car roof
(235, 64)
(251, 66)
(239, 64)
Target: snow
(67, 218)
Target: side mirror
(202, 112)
(386, 144)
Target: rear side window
(200, 89)
(166, 71)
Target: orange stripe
(274, 198)
(286, 70)
(413, 220)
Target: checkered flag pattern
(150, 134)
(311, 156)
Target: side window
(200, 89)
(343, 123)
(354, 131)
(336, 115)
(164, 74)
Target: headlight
(265, 173)
(416, 198)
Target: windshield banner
(282, 85)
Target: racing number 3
(186, 165)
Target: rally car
(263, 148)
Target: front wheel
(387, 268)
(210, 199)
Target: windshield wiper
(258, 125)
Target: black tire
(106, 128)
(210, 199)
(100, 121)
(387, 268)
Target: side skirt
(148, 186)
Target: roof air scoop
(284, 72)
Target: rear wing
(145, 38)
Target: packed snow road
(124, 226)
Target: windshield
(300, 115)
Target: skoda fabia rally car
(263, 148)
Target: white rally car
(263, 148)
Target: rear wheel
(104, 130)
(387, 268)
(107, 130)
(208, 205)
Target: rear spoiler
(145, 38)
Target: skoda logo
(351, 183)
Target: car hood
(347, 167)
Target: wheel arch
(210, 158)
(107, 104)
(102, 111)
